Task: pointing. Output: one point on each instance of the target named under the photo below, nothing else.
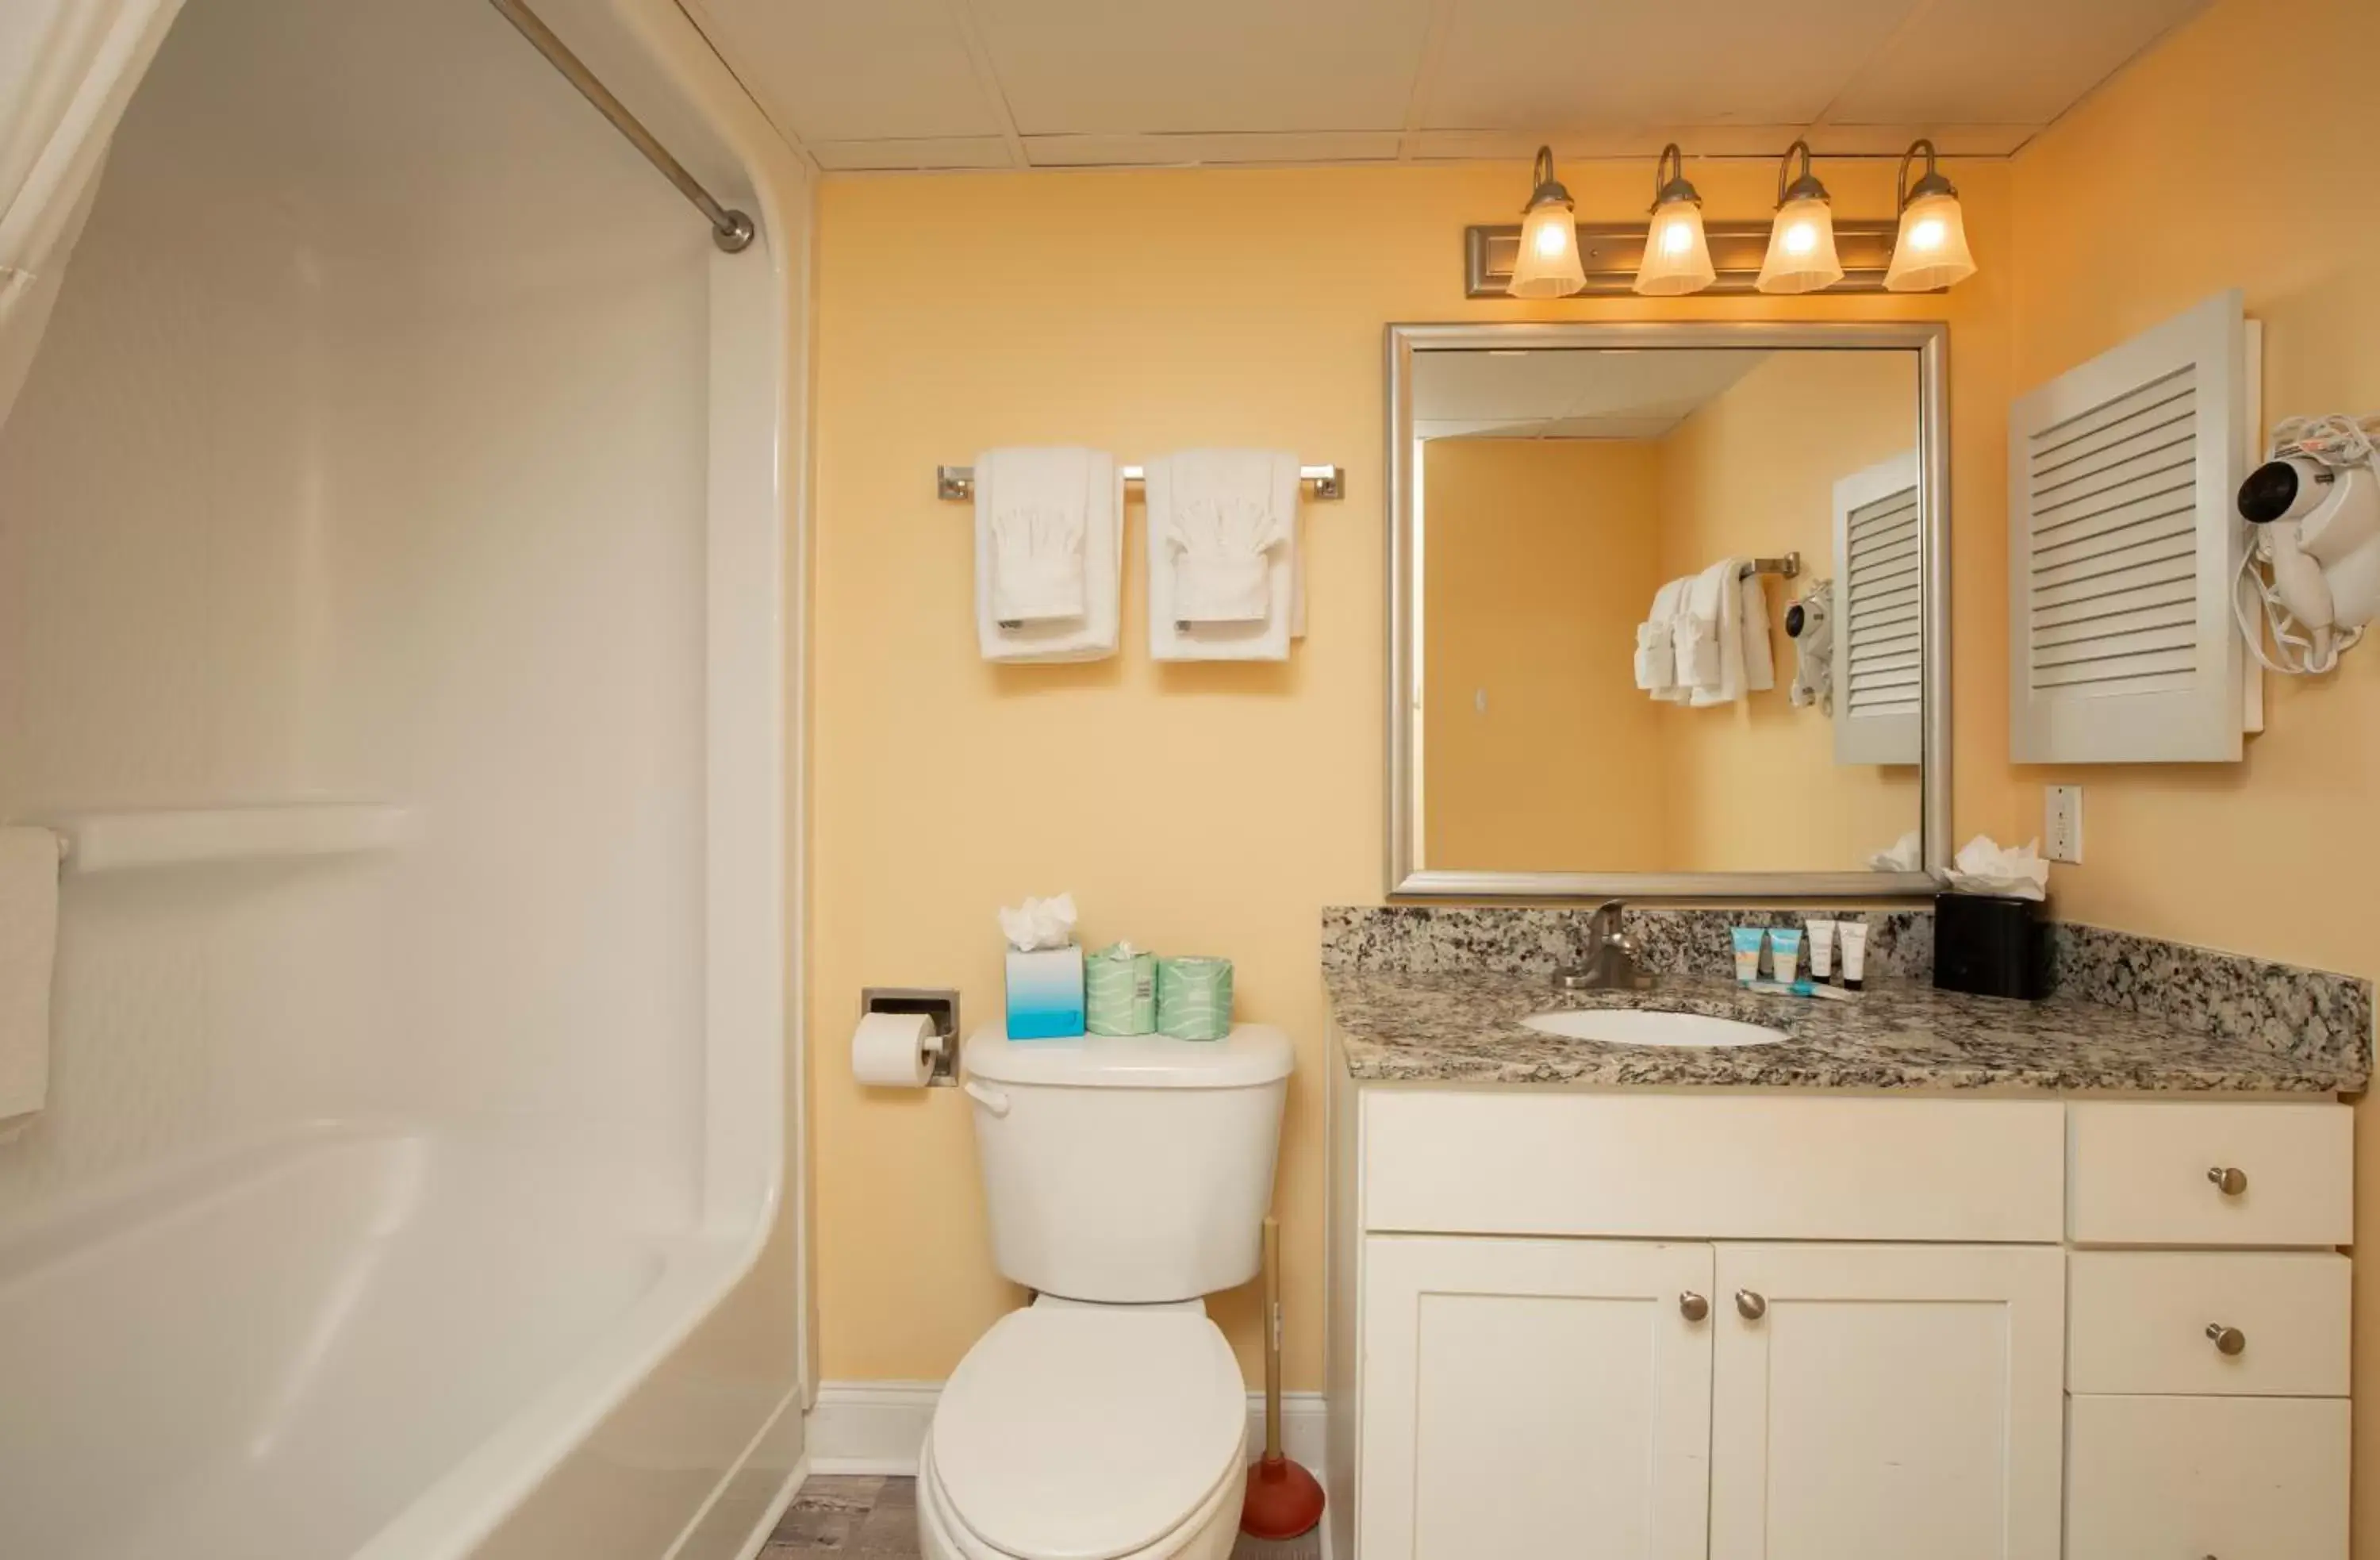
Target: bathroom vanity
(1932, 1275)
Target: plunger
(1283, 1500)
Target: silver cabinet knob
(1749, 1305)
(1693, 1306)
(2229, 1179)
(2227, 1340)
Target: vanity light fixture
(1931, 251)
(1548, 265)
(1677, 257)
(1801, 242)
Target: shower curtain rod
(732, 230)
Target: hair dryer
(2316, 509)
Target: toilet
(1125, 1178)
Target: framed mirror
(1669, 611)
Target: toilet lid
(1088, 1433)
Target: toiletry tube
(894, 1049)
(1822, 951)
(1747, 952)
(1785, 953)
(1193, 998)
(1120, 991)
(1855, 936)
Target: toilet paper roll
(894, 1049)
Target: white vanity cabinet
(1671, 1325)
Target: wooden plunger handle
(1272, 1335)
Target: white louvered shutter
(1879, 615)
(2122, 547)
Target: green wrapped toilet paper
(1119, 990)
(1193, 998)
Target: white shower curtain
(67, 67)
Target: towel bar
(1325, 482)
(1789, 565)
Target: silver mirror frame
(1407, 879)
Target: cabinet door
(1881, 1402)
(1534, 1398)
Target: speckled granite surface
(1528, 941)
(1438, 993)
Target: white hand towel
(1657, 656)
(29, 937)
(1697, 631)
(1049, 538)
(1759, 654)
(1721, 585)
(1223, 572)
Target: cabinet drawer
(2232, 1476)
(1518, 1162)
(2141, 1175)
(2138, 1321)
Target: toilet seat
(1087, 1432)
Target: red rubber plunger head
(1283, 1500)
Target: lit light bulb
(1930, 250)
(1677, 257)
(1801, 257)
(1547, 264)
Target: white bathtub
(337, 1343)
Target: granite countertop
(1445, 1028)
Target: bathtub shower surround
(419, 448)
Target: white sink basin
(1628, 1026)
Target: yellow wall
(1207, 807)
(1539, 555)
(2238, 154)
(1755, 784)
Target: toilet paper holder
(939, 1003)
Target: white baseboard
(877, 1426)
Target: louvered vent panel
(1883, 641)
(2111, 508)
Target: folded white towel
(28, 936)
(1696, 632)
(1722, 585)
(1048, 538)
(1224, 581)
(1759, 654)
(1657, 656)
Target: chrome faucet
(1612, 957)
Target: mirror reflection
(1668, 610)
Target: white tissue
(1039, 923)
(1906, 856)
(1985, 866)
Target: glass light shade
(1932, 249)
(1801, 256)
(1548, 265)
(1677, 257)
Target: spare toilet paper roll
(894, 1049)
(1193, 998)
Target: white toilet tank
(1127, 1170)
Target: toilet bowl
(1088, 1433)
(1129, 1175)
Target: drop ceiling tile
(1185, 150)
(1540, 66)
(1095, 66)
(876, 157)
(887, 69)
(2011, 62)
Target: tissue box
(1045, 994)
(1991, 945)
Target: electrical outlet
(2061, 823)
